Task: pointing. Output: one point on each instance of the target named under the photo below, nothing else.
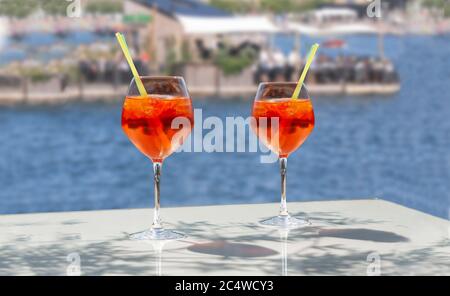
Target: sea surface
(76, 157)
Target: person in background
(124, 76)
(63, 81)
(312, 74)
(94, 69)
(328, 69)
(360, 71)
(388, 75)
(102, 69)
(378, 67)
(339, 72)
(279, 61)
(293, 65)
(111, 73)
(350, 63)
(264, 65)
(319, 69)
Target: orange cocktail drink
(283, 124)
(149, 123)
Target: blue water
(75, 157)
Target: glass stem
(283, 171)
(157, 178)
(284, 238)
(158, 246)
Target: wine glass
(282, 124)
(157, 125)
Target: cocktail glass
(157, 125)
(282, 124)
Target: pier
(110, 93)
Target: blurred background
(379, 89)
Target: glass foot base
(285, 222)
(156, 234)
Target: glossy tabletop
(357, 237)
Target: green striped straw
(312, 53)
(126, 53)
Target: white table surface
(346, 238)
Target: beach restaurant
(176, 29)
(169, 24)
(184, 37)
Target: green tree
(235, 6)
(275, 6)
(54, 7)
(234, 64)
(439, 4)
(17, 8)
(310, 4)
(186, 55)
(104, 6)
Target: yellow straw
(126, 52)
(312, 53)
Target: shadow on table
(228, 244)
(227, 249)
(324, 224)
(363, 234)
